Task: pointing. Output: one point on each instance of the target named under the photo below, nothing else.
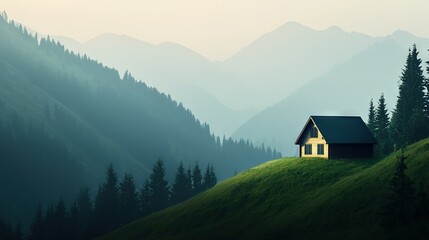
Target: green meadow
(289, 198)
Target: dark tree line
(409, 120)
(404, 207)
(8, 232)
(116, 203)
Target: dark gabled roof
(341, 129)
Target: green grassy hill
(288, 198)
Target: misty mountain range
(266, 91)
(64, 118)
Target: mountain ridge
(261, 74)
(380, 67)
(64, 118)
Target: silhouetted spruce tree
(179, 191)
(189, 188)
(106, 204)
(84, 214)
(371, 117)
(197, 179)
(426, 86)
(37, 226)
(49, 223)
(408, 120)
(399, 206)
(128, 200)
(144, 198)
(210, 178)
(60, 220)
(73, 222)
(384, 145)
(213, 176)
(158, 187)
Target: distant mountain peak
(402, 34)
(294, 26)
(334, 29)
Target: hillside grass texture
(290, 198)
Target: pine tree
(213, 176)
(158, 187)
(197, 179)
(399, 206)
(382, 127)
(49, 223)
(209, 177)
(179, 189)
(73, 222)
(144, 198)
(106, 203)
(36, 228)
(84, 214)
(408, 120)
(189, 189)
(128, 201)
(99, 205)
(426, 87)
(60, 220)
(371, 117)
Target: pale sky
(214, 28)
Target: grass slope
(288, 198)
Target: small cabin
(335, 137)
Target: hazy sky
(214, 28)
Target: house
(335, 137)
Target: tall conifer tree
(382, 127)
(426, 86)
(408, 121)
(145, 207)
(213, 175)
(36, 227)
(49, 223)
(106, 203)
(399, 207)
(179, 191)
(158, 186)
(84, 214)
(128, 200)
(197, 179)
(189, 189)
(60, 220)
(210, 178)
(371, 117)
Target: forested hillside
(65, 117)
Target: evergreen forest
(65, 117)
